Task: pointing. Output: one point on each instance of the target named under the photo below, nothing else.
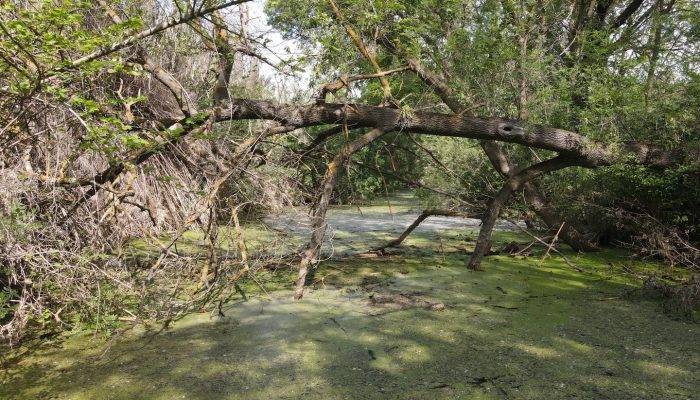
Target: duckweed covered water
(524, 329)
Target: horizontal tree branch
(587, 152)
(582, 151)
(424, 215)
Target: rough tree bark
(589, 153)
(318, 219)
(573, 149)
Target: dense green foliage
(543, 62)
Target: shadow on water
(517, 331)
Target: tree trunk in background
(501, 162)
(512, 184)
(549, 215)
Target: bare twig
(566, 259)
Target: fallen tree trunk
(422, 217)
(586, 152)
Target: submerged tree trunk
(318, 219)
(422, 217)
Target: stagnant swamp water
(375, 328)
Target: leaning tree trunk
(512, 184)
(318, 219)
(425, 214)
(549, 215)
